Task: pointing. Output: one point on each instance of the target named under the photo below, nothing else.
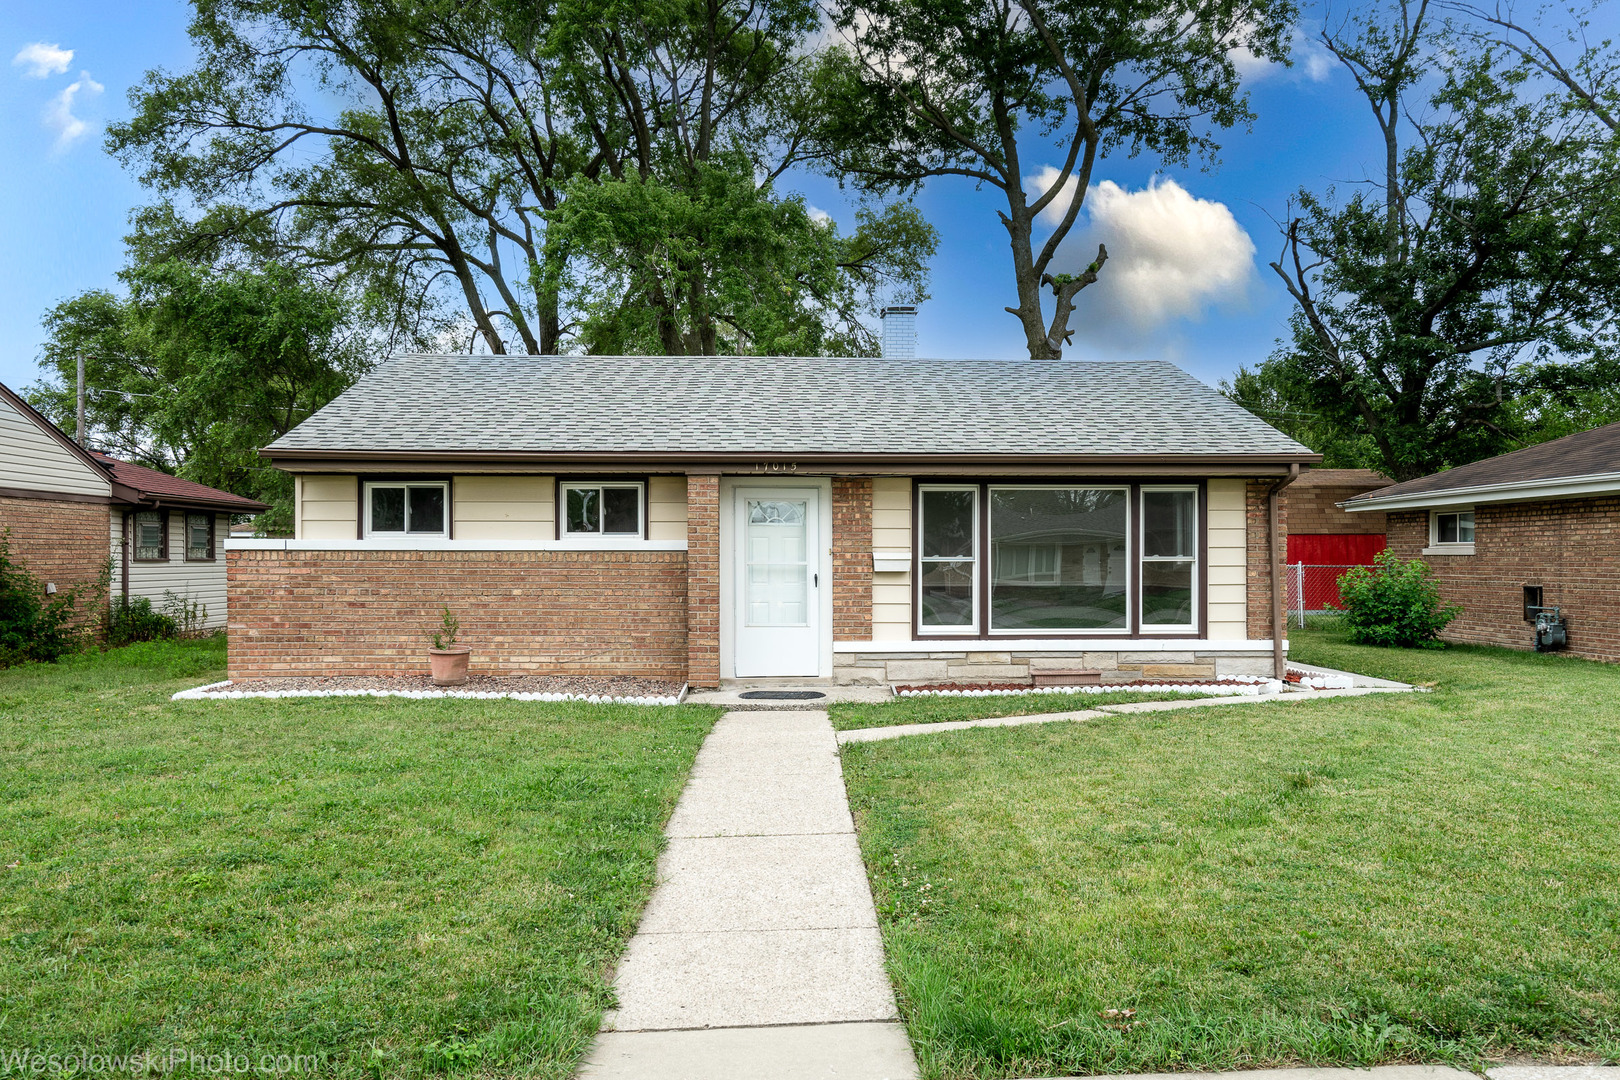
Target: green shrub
(133, 619)
(1394, 603)
(34, 625)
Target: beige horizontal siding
(1228, 561)
(511, 507)
(666, 508)
(34, 461)
(160, 582)
(328, 507)
(891, 531)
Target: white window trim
(565, 486)
(960, 630)
(1197, 570)
(371, 534)
(1131, 576)
(1435, 546)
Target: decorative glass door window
(199, 537)
(1169, 557)
(149, 538)
(1059, 558)
(947, 589)
(413, 508)
(777, 575)
(598, 509)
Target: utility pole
(78, 436)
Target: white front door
(778, 566)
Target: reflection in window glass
(602, 509)
(947, 557)
(1455, 528)
(427, 510)
(1059, 558)
(1169, 556)
(621, 511)
(584, 510)
(387, 509)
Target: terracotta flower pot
(449, 665)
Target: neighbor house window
(947, 556)
(1059, 558)
(199, 537)
(151, 539)
(603, 509)
(1453, 527)
(1169, 557)
(407, 508)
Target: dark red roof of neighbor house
(162, 488)
(1594, 453)
(1346, 478)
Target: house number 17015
(776, 467)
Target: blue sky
(1188, 279)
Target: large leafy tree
(425, 148)
(196, 367)
(1472, 282)
(986, 90)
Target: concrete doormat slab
(759, 954)
(900, 731)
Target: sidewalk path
(759, 953)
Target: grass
(1425, 877)
(848, 715)
(394, 888)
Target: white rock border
(1247, 686)
(1322, 682)
(212, 692)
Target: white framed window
(407, 508)
(1168, 583)
(592, 508)
(1451, 532)
(947, 558)
(1060, 558)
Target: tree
(1477, 270)
(980, 89)
(464, 129)
(198, 367)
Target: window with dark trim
(402, 508)
(149, 536)
(602, 508)
(199, 537)
(947, 556)
(1169, 558)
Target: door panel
(778, 561)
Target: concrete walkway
(759, 953)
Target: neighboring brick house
(857, 520)
(1323, 539)
(72, 515)
(1539, 526)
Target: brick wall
(1314, 511)
(1571, 548)
(852, 558)
(1260, 571)
(64, 542)
(302, 613)
(703, 580)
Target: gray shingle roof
(783, 405)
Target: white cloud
(1171, 256)
(817, 214)
(41, 60)
(1311, 60)
(59, 115)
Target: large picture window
(1057, 558)
(602, 509)
(402, 508)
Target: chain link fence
(1313, 592)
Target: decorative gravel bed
(1237, 685)
(517, 687)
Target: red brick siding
(1314, 511)
(61, 542)
(1260, 571)
(303, 613)
(852, 558)
(1571, 548)
(703, 580)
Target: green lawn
(1409, 877)
(396, 887)
(847, 715)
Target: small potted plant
(448, 660)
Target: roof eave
(733, 458)
(1564, 487)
